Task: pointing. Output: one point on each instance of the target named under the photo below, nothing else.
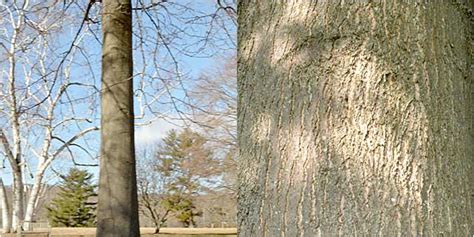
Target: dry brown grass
(88, 232)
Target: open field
(165, 232)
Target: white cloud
(154, 132)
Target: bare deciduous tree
(151, 187)
(213, 109)
(37, 111)
(168, 33)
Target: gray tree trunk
(355, 119)
(117, 213)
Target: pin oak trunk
(355, 118)
(117, 208)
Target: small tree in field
(183, 208)
(72, 207)
(189, 165)
(181, 168)
(186, 211)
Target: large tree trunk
(117, 207)
(355, 119)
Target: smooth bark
(16, 161)
(31, 206)
(6, 215)
(117, 207)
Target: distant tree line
(175, 178)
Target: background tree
(190, 166)
(181, 168)
(355, 118)
(151, 189)
(184, 158)
(73, 206)
(183, 207)
(213, 109)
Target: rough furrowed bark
(355, 118)
(117, 207)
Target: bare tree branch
(71, 140)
